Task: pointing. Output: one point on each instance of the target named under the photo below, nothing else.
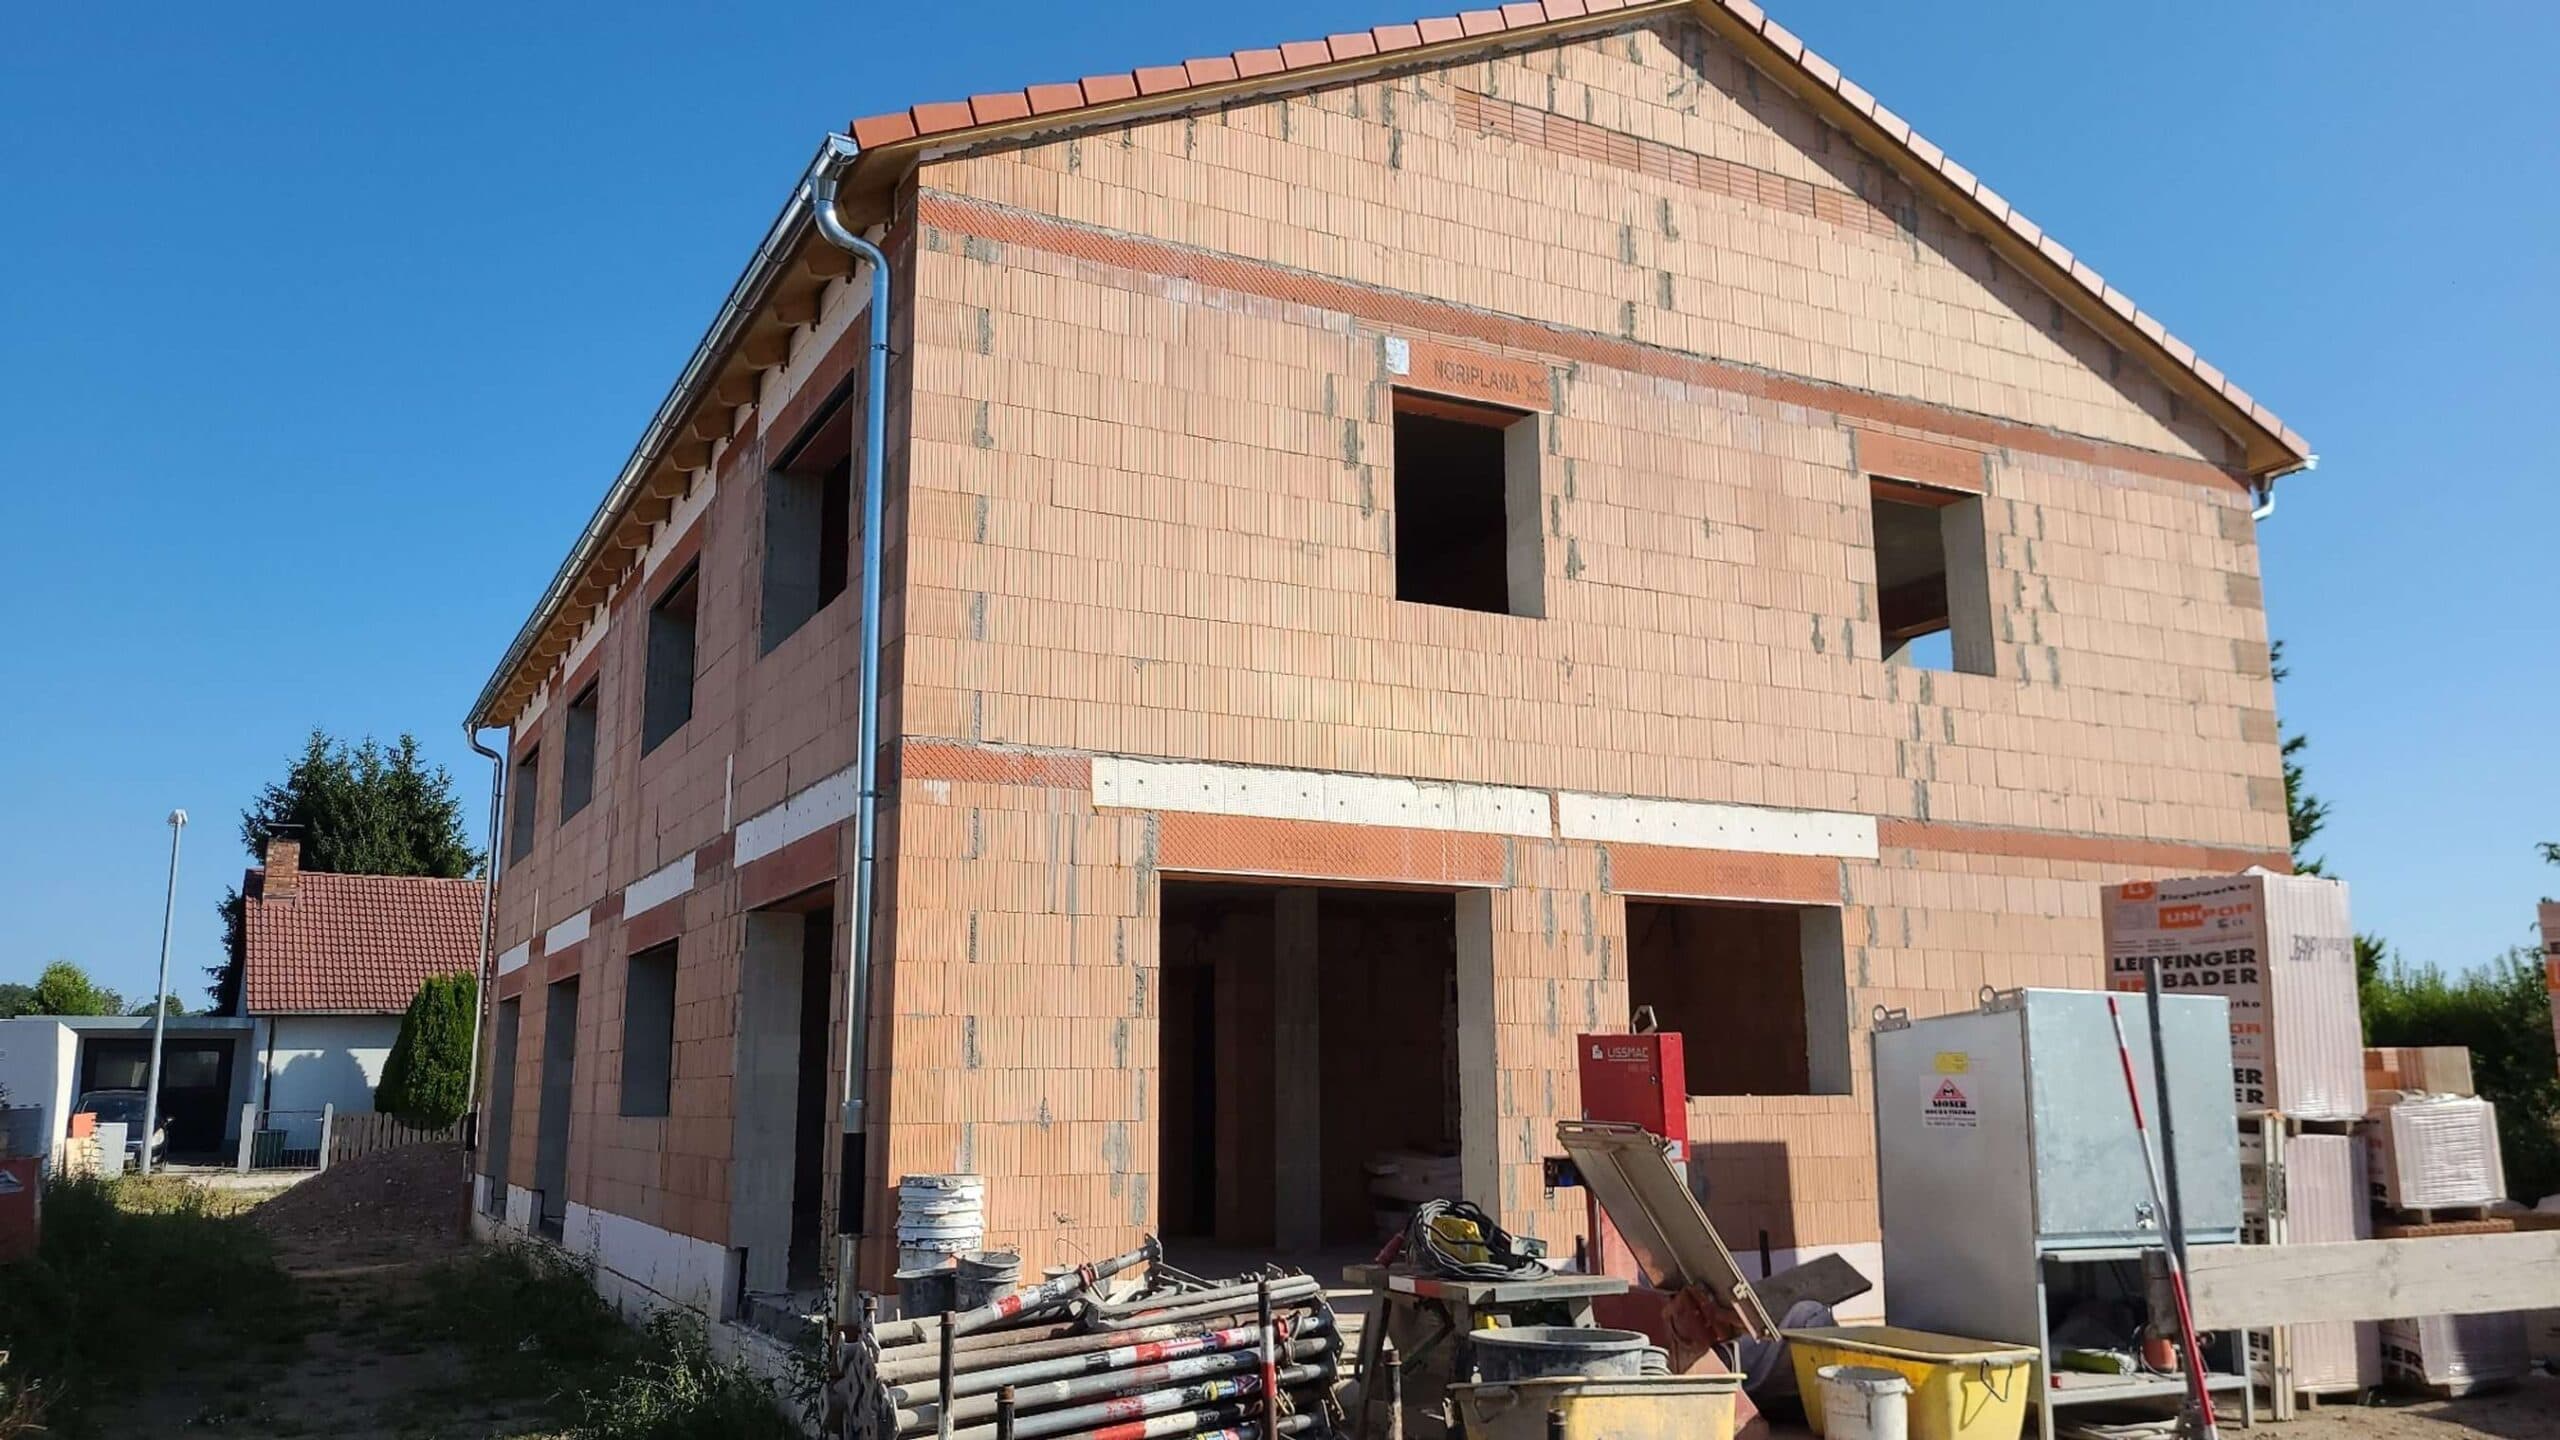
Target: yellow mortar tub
(1960, 1389)
(1649, 1407)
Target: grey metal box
(2004, 1135)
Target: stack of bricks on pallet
(2281, 949)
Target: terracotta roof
(355, 944)
(1298, 64)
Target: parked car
(126, 1108)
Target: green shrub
(428, 1073)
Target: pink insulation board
(2435, 1151)
(2459, 1352)
(2325, 1193)
(2281, 949)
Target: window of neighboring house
(649, 1031)
(1699, 965)
(1466, 507)
(578, 753)
(808, 527)
(1933, 586)
(523, 798)
(668, 701)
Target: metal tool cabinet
(2006, 1148)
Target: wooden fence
(354, 1135)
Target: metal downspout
(488, 917)
(820, 190)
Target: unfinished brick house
(1397, 549)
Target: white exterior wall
(306, 1062)
(39, 1063)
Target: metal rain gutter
(482, 1005)
(727, 328)
(819, 192)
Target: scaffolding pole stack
(1174, 1356)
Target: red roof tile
(356, 944)
(1906, 147)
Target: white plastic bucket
(1863, 1402)
(939, 1216)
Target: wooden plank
(2254, 1286)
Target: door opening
(559, 1068)
(1308, 1062)
(498, 1134)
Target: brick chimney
(284, 867)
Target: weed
(677, 1391)
(131, 1276)
(524, 1316)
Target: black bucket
(927, 1292)
(1538, 1352)
(987, 1276)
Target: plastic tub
(1651, 1407)
(1864, 1402)
(1960, 1389)
(1537, 1352)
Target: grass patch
(532, 1330)
(137, 1277)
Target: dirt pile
(391, 1199)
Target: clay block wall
(1152, 514)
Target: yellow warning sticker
(1954, 1062)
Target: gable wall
(1151, 513)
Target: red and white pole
(2202, 1397)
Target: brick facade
(1141, 505)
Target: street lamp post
(160, 1011)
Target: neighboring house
(332, 963)
(1399, 549)
(47, 1062)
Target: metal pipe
(482, 1004)
(942, 1409)
(1258, 1361)
(1004, 1413)
(2173, 1212)
(1269, 1348)
(913, 1360)
(1120, 1366)
(1211, 1310)
(1158, 1402)
(1084, 1277)
(160, 1012)
(1210, 1422)
(1156, 1308)
(1118, 1357)
(903, 1368)
(819, 191)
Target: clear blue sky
(323, 327)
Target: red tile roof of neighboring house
(355, 944)
(1774, 48)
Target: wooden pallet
(2534, 1219)
(2439, 1215)
(2422, 1229)
(2296, 1125)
